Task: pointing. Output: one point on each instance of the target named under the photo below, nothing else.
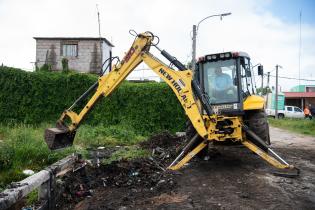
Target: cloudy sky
(266, 29)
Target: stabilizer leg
(188, 157)
(287, 170)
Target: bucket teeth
(58, 138)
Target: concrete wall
(88, 59)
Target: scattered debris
(165, 147)
(28, 172)
(138, 175)
(234, 178)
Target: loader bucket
(58, 138)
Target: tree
(264, 90)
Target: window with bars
(70, 50)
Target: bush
(65, 65)
(45, 68)
(34, 98)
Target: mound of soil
(164, 140)
(164, 146)
(236, 179)
(136, 178)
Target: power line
(310, 80)
(300, 43)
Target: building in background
(300, 96)
(84, 54)
(271, 100)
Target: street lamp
(194, 38)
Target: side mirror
(260, 70)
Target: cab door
(289, 111)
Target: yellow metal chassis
(180, 83)
(237, 135)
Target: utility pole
(262, 83)
(193, 60)
(194, 38)
(300, 43)
(276, 98)
(99, 34)
(268, 77)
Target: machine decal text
(174, 83)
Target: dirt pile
(235, 179)
(164, 146)
(139, 172)
(139, 177)
(164, 140)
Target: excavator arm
(181, 82)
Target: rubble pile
(164, 146)
(139, 172)
(138, 175)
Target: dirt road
(233, 179)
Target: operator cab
(227, 79)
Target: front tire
(257, 122)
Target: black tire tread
(191, 132)
(258, 123)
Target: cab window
(246, 76)
(220, 81)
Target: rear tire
(257, 122)
(280, 116)
(190, 133)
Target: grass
(23, 147)
(126, 153)
(302, 126)
(107, 136)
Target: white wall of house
(106, 53)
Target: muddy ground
(233, 178)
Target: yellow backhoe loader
(218, 99)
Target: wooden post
(44, 180)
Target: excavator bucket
(58, 138)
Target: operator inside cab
(222, 80)
(220, 83)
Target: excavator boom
(181, 83)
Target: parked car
(289, 111)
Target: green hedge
(34, 98)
